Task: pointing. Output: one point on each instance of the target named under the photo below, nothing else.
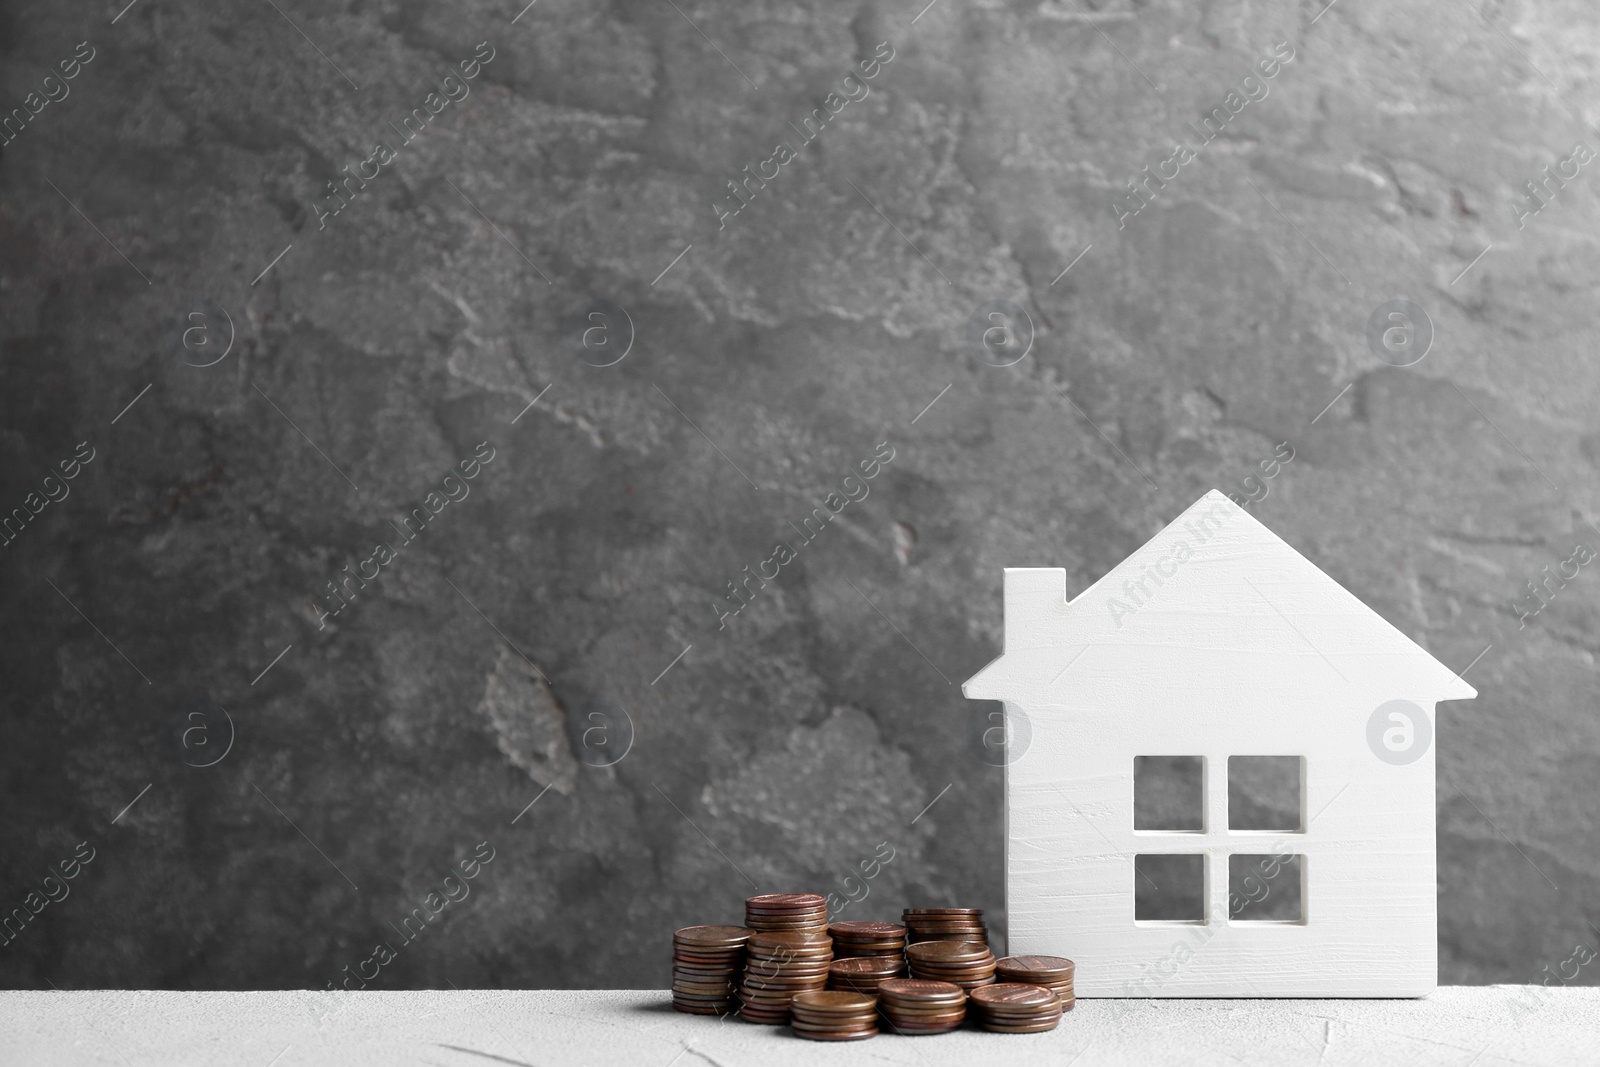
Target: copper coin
(762, 962)
(914, 1031)
(943, 911)
(833, 1020)
(774, 968)
(1023, 1028)
(777, 969)
(805, 940)
(872, 931)
(1015, 995)
(827, 1035)
(836, 1002)
(948, 952)
(1052, 1011)
(806, 1029)
(703, 999)
(711, 936)
(769, 997)
(926, 1018)
(784, 985)
(756, 980)
(820, 915)
(1049, 1018)
(799, 981)
(1051, 967)
(919, 991)
(703, 964)
(869, 963)
(779, 964)
(953, 977)
(785, 902)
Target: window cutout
(1169, 793)
(1169, 888)
(1264, 793)
(1266, 889)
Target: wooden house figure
(1217, 649)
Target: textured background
(787, 748)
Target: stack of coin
(1016, 1008)
(706, 963)
(833, 1016)
(785, 912)
(867, 939)
(1053, 972)
(944, 924)
(913, 1006)
(967, 964)
(864, 974)
(779, 965)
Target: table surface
(1460, 1026)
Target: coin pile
(913, 1006)
(779, 965)
(706, 964)
(1052, 972)
(967, 964)
(944, 924)
(867, 939)
(786, 912)
(833, 1016)
(864, 974)
(1016, 1008)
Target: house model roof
(1215, 599)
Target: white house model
(1218, 647)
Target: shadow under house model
(1217, 641)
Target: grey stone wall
(548, 289)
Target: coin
(1025, 1028)
(947, 951)
(916, 991)
(868, 965)
(836, 1002)
(712, 936)
(943, 911)
(785, 901)
(866, 931)
(771, 940)
(1048, 967)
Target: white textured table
(1480, 1027)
